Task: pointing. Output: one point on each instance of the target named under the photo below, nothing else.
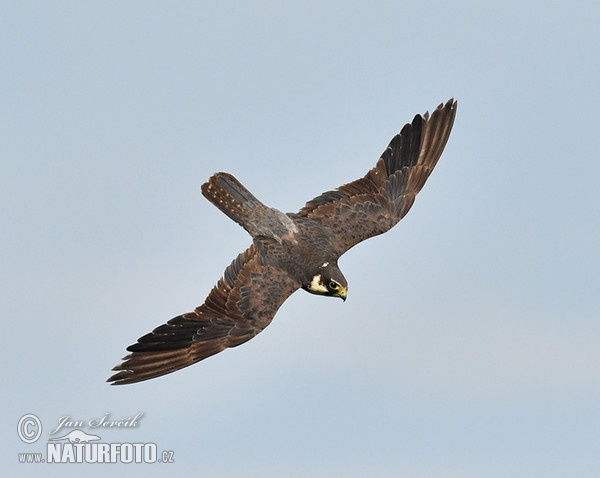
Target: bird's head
(328, 280)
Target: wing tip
(449, 106)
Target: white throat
(316, 285)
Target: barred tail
(231, 197)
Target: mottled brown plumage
(290, 251)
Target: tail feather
(231, 197)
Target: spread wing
(375, 203)
(242, 303)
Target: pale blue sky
(468, 346)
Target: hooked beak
(342, 293)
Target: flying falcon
(290, 251)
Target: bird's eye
(334, 285)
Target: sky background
(469, 343)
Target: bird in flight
(290, 251)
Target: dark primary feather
(374, 203)
(242, 304)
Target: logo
(76, 445)
(77, 436)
